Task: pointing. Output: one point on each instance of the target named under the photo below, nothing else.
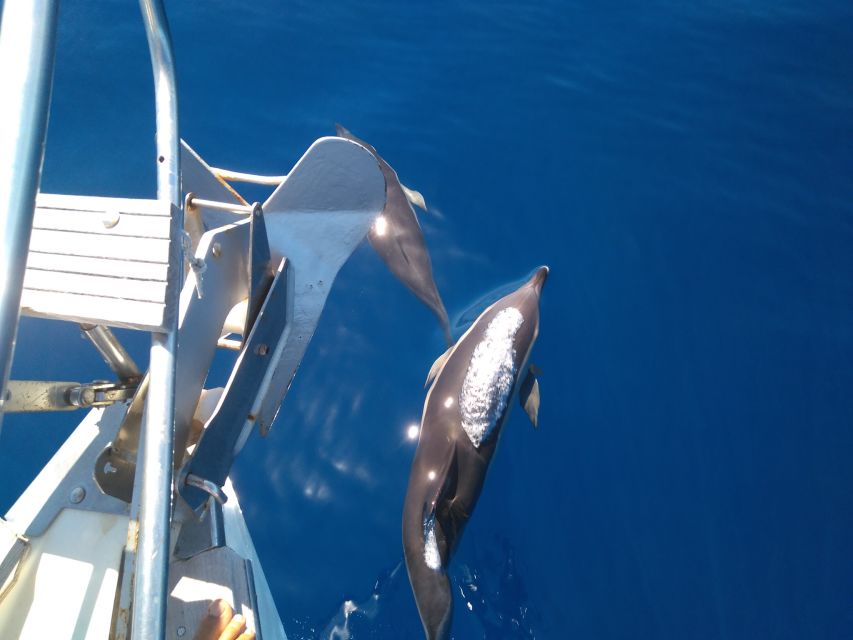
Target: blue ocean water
(685, 170)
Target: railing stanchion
(155, 472)
(27, 46)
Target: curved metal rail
(27, 45)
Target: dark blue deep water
(684, 168)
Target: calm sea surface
(684, 168)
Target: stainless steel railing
(27, 45)
(155, 472)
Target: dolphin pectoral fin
(437, 366)
(414, 197)
(528, 395)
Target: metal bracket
(225, 252)
(260, 268)
(195, 582)
(198, 265)
(228, 429)
(101, 394)
(115, 467)
(27, 396)
(201, 532)
(67, 482)
(208, 486)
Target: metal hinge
(25, 396)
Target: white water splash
(490, 375)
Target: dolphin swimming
(398, 239)
(473, 384)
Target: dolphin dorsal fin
(414, 197)
(528, 395)
(437, 366)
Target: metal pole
(152, 568)
(27, 46)
(228, 207)
(239, 176)
(112, 351)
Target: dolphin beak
(539, 278)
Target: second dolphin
(398, 239)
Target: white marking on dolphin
(491, 374)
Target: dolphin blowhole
(488, 382)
